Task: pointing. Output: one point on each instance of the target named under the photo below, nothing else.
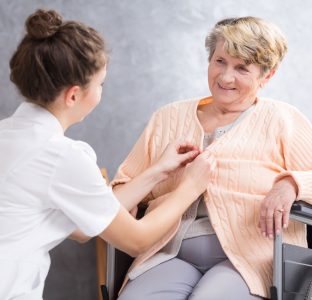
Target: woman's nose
(228, 75)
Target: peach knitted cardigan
(273, 141)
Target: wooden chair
(101, 260)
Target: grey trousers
(201, 271)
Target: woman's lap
(186, 277)
(178, 280)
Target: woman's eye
(219, 61)
(242, 68)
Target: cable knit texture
(273, 141)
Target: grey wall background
(157, 56)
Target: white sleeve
(80, 192)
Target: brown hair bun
(43, 24)
(54, 55)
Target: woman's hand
(197, 173)
(176, 154)
(275, 207)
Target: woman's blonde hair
(252, 39)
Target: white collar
(39, 115)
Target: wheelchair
(292, 265)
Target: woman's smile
(226, 88)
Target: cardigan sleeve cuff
(303, 180)
(118, 181)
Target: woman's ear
(267, 76)
(72, 94)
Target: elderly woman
(223, 248)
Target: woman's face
(93, 93)
(231, 81)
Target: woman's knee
(222, 282)
(172, 280)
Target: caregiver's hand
(275, 207)
(176, 154)
(197, 173)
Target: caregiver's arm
(176, 154)
(136, 236)
(79, 236)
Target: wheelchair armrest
(302, 208)
(302, 212)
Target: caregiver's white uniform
(50, 185)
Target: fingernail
(284, 225)
(263, 234)
(270, 236)
(278, 232)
